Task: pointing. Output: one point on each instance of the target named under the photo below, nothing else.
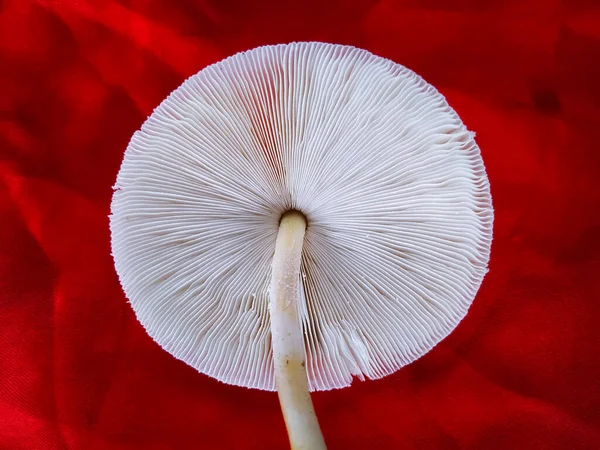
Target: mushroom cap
(390, 181)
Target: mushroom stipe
(299, 215)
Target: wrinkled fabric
(77, 371)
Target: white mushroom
(385, 211)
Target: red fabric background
(78, 372)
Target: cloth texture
(77, 371)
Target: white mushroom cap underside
(392, 185)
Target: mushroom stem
(288, 344)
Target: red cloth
(78, 372)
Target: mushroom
(298, 215)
